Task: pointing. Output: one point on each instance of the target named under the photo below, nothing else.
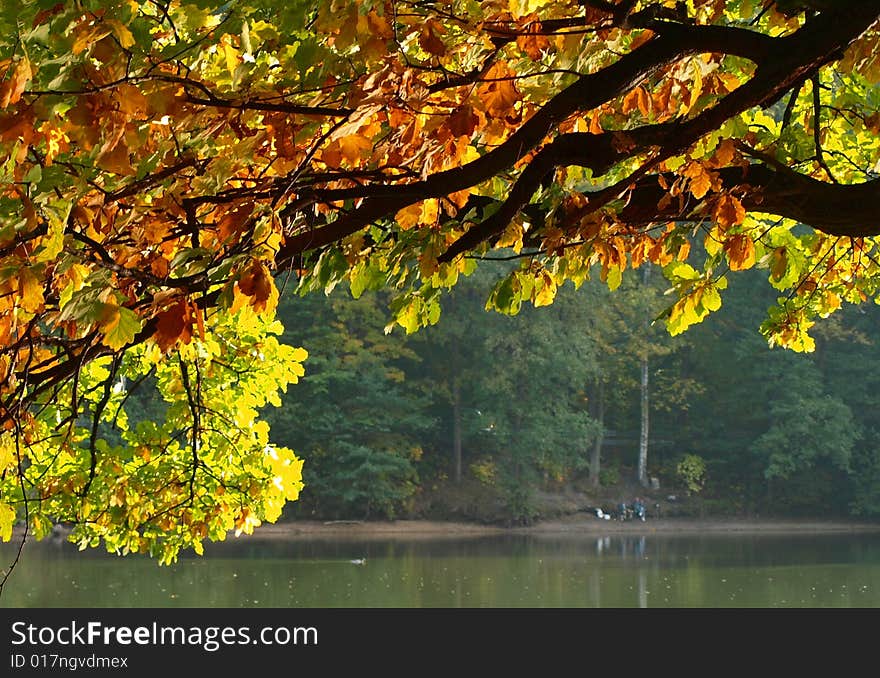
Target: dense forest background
(501, 418)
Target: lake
(508, 571)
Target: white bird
(358, 561)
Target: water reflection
(511, 571)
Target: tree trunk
(596, 455)
(456, 430)
(643, 435)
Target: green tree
(358, 416)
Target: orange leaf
(595, 127)
(729, 211)
(701, 179)
(257, 284)
(498, 91)
(740, 251)
(532, 42)
(724, 154)
(13, 87)
(637, 99)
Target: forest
(478, 416)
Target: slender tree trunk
(599, 414)
(643, 435)
(456, 430)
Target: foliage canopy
(163, 162)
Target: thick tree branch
(782, 64)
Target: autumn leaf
(740, 252)
(498, 92)
(429, 41)
(724, 154)
(729, 211)
(7, 518)
(231, 56)
(119, 326)
(533, 42)
(173, 325)
(257, 283)
(350, 148)
(701, 179)
(123, 35)
(14, 85)
(409, 216)
(463, 121)
(30, 291)
(637, 99)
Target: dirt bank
(579, 524)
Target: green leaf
(120, 325)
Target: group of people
(637, 510)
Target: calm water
(840, 570)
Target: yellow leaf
(430, 210)
(30, 291)
(123, 35)
(545, 290)
(230, 54)
(7, 519)
(712, 242)
(7, 452)
(409, 216)
(119, 326)
(86, 38)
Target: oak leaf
(429, 41)
(729, 211)
(740, 252)
(119, 325)
(13, 86)
(409, 216)
(498, 91)
(257, 283)
(30, 291)
(172, 325)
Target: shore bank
(581, 524)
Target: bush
(691, 470)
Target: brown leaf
(13, 86)
(463, 121)
(429, 41)
(532, 42)
(729, 211)
(173, 325)
(257, 284)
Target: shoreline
(572, 525)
